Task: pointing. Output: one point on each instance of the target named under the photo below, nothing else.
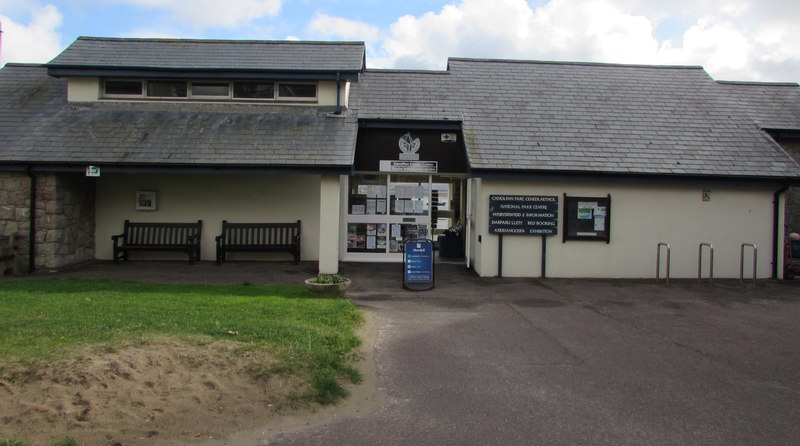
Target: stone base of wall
(64, 218)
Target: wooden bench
(138, 236)
(258, 237)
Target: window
(122, 88)
(253, 90)
(297, 91)
(216, 90)
(166, 89)
(244, 90)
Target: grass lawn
(308, 337)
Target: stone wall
(64, 218)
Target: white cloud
(735, 39)
(203, 14)
(37, 41)
(324, 26)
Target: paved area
(522, 361)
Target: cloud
(324, 26)
(37, 41)
(737, 39)
(203, 14)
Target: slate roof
(547, 117)
(38, 125)
(774, 106)
(185, 54)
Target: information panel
(418, 265)
(523, 214)
(587, 218)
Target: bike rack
(710, 263)
(658, 262)
(741, 262)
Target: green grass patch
(311, 338)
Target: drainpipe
(32, 226)
(338, 93)
(776, 229)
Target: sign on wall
(523, 214)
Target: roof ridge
(25, 64)
(759, 83)
(556, 62)
(237, 41)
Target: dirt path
(164, 391)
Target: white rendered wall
(83, 89)
(329, 229)
(211, 198)
(641, 215)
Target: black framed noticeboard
(587, 218)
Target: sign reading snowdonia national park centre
(523, 214)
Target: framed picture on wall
(146, 200)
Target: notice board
(587, 218)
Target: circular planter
(328, 289)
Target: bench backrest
(260, 234)
(162, 234)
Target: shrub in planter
(328, 285)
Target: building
(595, 163)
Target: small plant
(10, 442)
(330, 278)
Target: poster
(417, 206)
(362, 189)
(396, 231)
(371, 229)
(371, 207)
(380, 206)
(409, 206)
(370, 242)
(381, 191)
(381, 229)
(381, 243)
(372, 191)
(359, 209)
(599, 223)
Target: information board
(587, 218)
(523, 214)
(418, 265)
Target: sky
(745, 40)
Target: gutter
(776, 243)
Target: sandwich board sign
(418, 265)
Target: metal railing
(741, 262)
(710, 263)
(658, 262)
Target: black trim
(181, 169)
(622, 177)
(200, 73)
(408, 124)
(778, 134)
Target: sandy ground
(164, 391)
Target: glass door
(384, 211)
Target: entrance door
(384, 211)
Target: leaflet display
(587, 218)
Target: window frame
(141, 82)
(280, 98)
(231, 97)
(204, 97)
